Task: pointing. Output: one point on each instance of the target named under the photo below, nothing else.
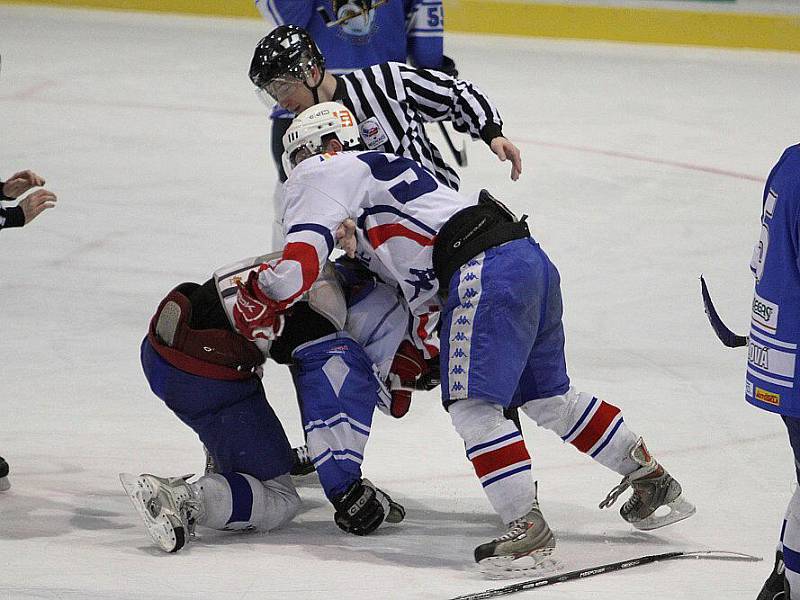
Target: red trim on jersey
(490, 462)
(380, 233)
(306, 255)
(596, 427)
(422, 332)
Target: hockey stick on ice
(725, 335)
(460, 155)
(607, 568)
(330, 22)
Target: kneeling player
(209, 376)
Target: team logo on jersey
(372, 133)
(768, 397)
(423, 280)
(354, 18)
(765, 313)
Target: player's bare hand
(346, 237)
(505, 150)
(21, 182)
(37, 202)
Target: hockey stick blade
(459, 155)
(725, 335)
(607, 568)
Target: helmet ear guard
(312, 129)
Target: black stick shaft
(459, 158)
(725, 335)
(580, 574)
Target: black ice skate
(301, 462)
(4, 483)
(168, 506)
(653, 487)
(775, 587)
(523, 549)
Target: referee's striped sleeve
(11, 217)
(440, 97)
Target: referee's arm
(12, 216)
(439, 97)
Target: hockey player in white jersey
(502, 340)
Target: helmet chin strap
(315, 89)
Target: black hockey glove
(363, 507)
(449, 67)
(431, 378)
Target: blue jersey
(392, 31)
(772, 375)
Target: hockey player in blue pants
(208, 375)
(773, 382)
(502, 341)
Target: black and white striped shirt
(12, 216)
(399, 99)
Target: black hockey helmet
(286, 51)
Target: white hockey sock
(593, 426)
(235, 501)
(497, 452)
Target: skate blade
(539, 563)
(166, 530)
(396, 513)
(4, 484)
(679, 509)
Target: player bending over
(210, 377)
(502, 338)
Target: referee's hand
(21, 182)
(36, 203)
(505, 150)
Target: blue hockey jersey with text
(772, 374)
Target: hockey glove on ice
(363, 507)
(256, 314)
(408, 366)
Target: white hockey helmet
(313, 127)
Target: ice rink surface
(643, 167)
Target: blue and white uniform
(502, 339)
(773, 381)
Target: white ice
(643, 167)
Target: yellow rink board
(647, 25)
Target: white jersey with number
(398, 207)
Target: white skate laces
(653, 487)
(168, 506)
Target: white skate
(525, 548)
(168, 506)
(653, 487)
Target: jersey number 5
(384, 169)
